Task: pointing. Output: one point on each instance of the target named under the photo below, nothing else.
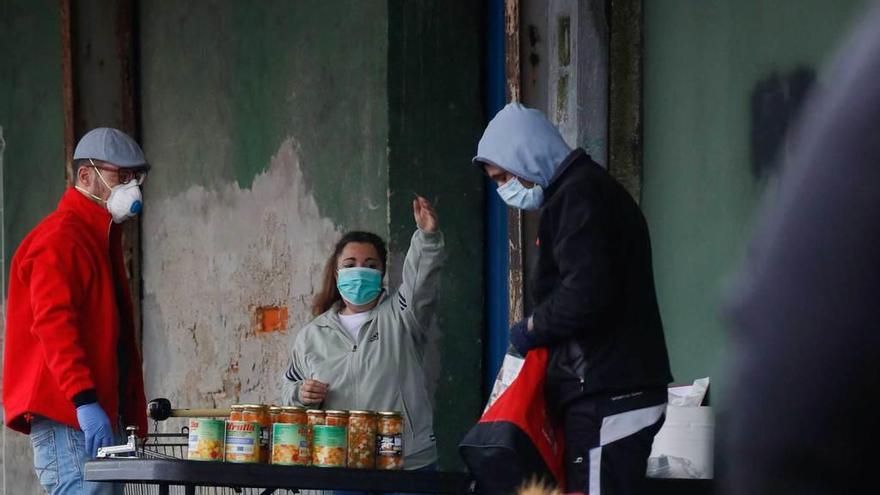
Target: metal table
(191, 474)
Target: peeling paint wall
(266, 126)
(272, 129)
(213, 256)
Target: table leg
(164, 489)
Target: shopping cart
(158, 445)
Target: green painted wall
(223, 83)
(434, 67)
(701, 61)
(31, 114)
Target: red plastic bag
(515, 440)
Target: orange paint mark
(272, 318)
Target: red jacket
(69, 321)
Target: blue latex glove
(523, 340)
(96, 425)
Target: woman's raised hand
(426, 217)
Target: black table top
(197, 473)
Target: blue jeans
(59, 459)
(429, 467)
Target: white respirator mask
(125, 200)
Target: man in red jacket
(71, 367)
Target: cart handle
(160, 410)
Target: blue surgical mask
(515, 194)
(359, 286)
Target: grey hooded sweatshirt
(383, 369)
(523, 142)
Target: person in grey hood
(365, 348)
(595, 307)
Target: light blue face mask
(515, 194)
(359, 286)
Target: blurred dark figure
(806, 315)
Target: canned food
(389, 441)
(206, 439)
(259, 414)
(293, 415)
(235, 412)
(362, 440)
(315, 417)
(337, 418)
(243, 441)
(274, 411)
(328, 446)
(290, 444)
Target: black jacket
(593, 288)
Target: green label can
(290, 445)
(206, 439)
(243, 441)
(329, 446)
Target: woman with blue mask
(364, 350)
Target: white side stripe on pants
(616, 427)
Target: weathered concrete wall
(272, 130)
(703, 63)
(213, 256)
(31, 119)
(267, 129)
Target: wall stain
(534, 39)
(776, 101)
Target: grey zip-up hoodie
(383, 369)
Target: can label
(389, 451)
(206, 439)
(290, 445)
(329, 446)
(243, 442)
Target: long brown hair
(329, 294)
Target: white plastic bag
(510, 368)
(689, 395)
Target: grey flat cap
(111, 146)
